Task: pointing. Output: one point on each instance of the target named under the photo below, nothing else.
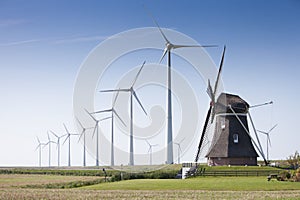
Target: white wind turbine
(83, 133)
(168, 48)
(96, 130)
(68, 137)
(179, 149)
(113, 113)
(132, 94)
(49, 144)
(150, 150)
(268, 139)
(39, 146)
(58, 146)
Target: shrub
(284, 175)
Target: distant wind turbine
(168, 48)
(82, 134)
(150, 150)
(96, 130)
(179, 149)
(58, 146)
(39, 146)
(49, 144)
(113, 113)
(68, 137)
(132, 94)
(268, 139)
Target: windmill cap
(225, 100)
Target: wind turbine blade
(115, 100)
(119, 117)
(116, 90)
(66, 139)
(94, 130)
(219, 72)
(148, 143)
(102, 111)
(262, 132)
(164, 54)
(181, 140)
(155, 22)
(46, 144)
(272, 128)
(269, 140)
(90, 115)
(184, 46)
(179, 148)
(37, 147)
(83, 132)
(38, 139)
(104, 119)
(137, 75)
(66, 129)
(53, 133)
(134, 94)
(79, 123)
(203, 133)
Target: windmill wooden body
(231, 144)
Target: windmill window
(236, 138)
(223, 124)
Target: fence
(202, 172)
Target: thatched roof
(237, 103)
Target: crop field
(56, 194)
(31, 180)
(32, 186)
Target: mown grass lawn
(201, 183)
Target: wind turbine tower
(96, 130)
(167, 50)
(49, 144)
(268, 139)
(150, 150)
(39, 146)
(132, 95)
(58, 146)
(83, 133)
(179, 149)
(68, 137)
(113, 113)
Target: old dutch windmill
(231, 143)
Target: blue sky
(43, 44)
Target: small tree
(294, 160)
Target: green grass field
(202, 183)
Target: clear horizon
(43, 45)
